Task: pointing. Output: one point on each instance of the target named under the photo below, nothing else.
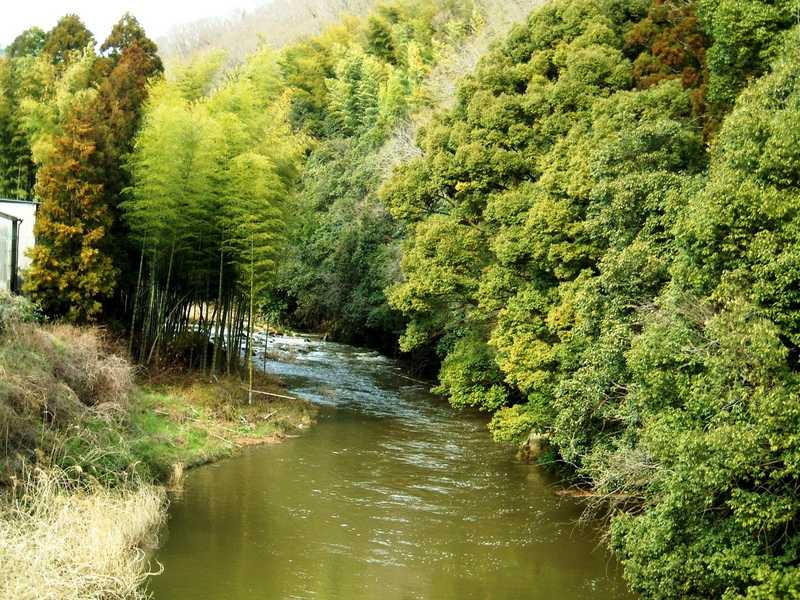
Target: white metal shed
(17, 218)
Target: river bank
(90, 447)
(70, 527)
(184, 420)
(387, 487)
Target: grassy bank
(185, 420)
(179, 423)
(88, 445)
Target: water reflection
(390, 496)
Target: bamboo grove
(187, 204)
(213, 174)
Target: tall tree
(72, 273)
(29, 43)
(126, 33)
(132, 63)
(123, 91)
(68, 37)
(81, 141)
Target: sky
(157, 16)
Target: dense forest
(593, 237)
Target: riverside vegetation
(87, 452)
(593, 238)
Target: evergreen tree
(68, 38)
(127, 33)
(72, 273)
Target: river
(390, 496)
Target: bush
(15, 310)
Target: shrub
(15, 310)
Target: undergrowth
(61, 539)
(83, 447)
(68, 399)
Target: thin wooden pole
(136, 299)
(250, 320)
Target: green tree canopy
(68, 37)
(29, 43)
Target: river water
(390, 496)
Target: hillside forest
(584, 224)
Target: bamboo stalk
(136, 299)
(250, 321)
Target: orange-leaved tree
(72, 271)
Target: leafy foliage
(212, 178)
(590, 273)
(747, 37)
(67, 39)
(29, 43)
(725, 440)
(352, 89)
(68, 124)
(72, 271)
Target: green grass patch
(187, 422)
(166, 429)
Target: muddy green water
(391, 496)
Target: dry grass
(80, 358)
(56, 371)
(59, 541)
(51, 378)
